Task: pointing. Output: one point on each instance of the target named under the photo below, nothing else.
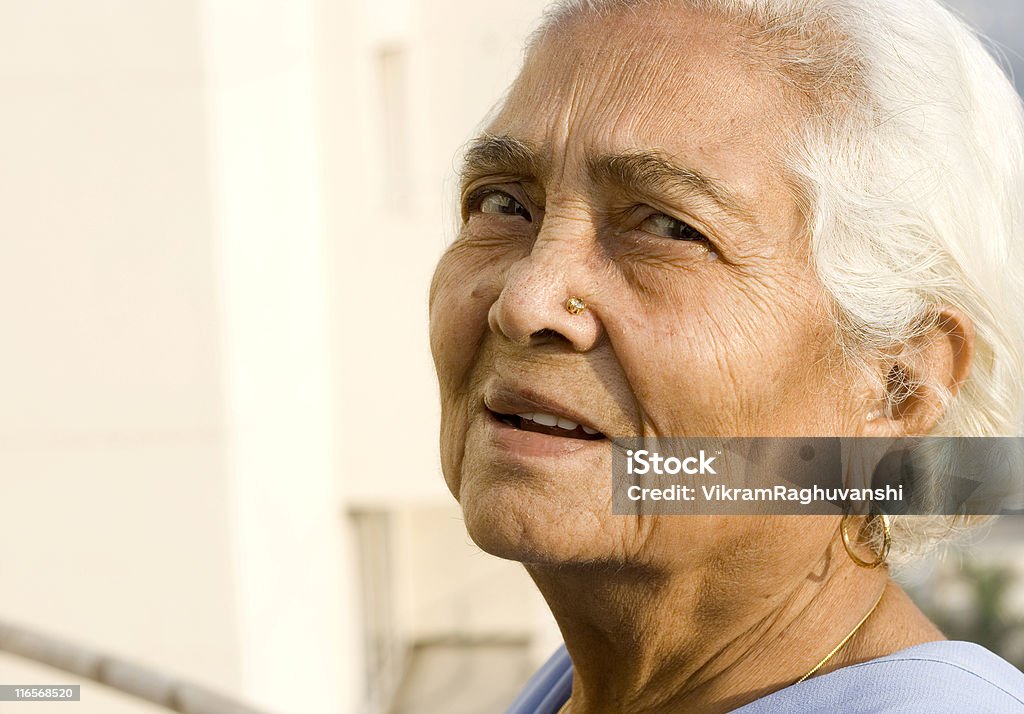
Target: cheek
(722, 356)
(461, 294)
(453, 420)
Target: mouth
(550, 424)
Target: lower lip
(531, 443)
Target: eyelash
(473, 203)
(689, 233)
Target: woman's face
(637, 164)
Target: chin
(535, 526)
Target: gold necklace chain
(842, 642)
(820, 664)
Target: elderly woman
(732, 218)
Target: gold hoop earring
(886, 543)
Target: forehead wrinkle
(584, 91)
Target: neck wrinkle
(648, 641)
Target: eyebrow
(646, 171)
(491, 155)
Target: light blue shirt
(933, 678)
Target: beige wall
(218, 221)
(111, 419)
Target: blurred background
(218, 417)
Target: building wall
(112, 433)
(218, 223)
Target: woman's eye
(498, 202)
(667, 227)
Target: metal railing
(138, 681)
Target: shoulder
(932, 678)
(548, 689)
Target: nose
(547, 297)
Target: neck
(646, 639)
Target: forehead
(673, 79)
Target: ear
(925, 372)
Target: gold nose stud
(575, 305)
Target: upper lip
(505, 399)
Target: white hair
(910, 171)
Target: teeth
(560, 422)
(552, 420)
(545, 419)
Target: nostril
(546, 334)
